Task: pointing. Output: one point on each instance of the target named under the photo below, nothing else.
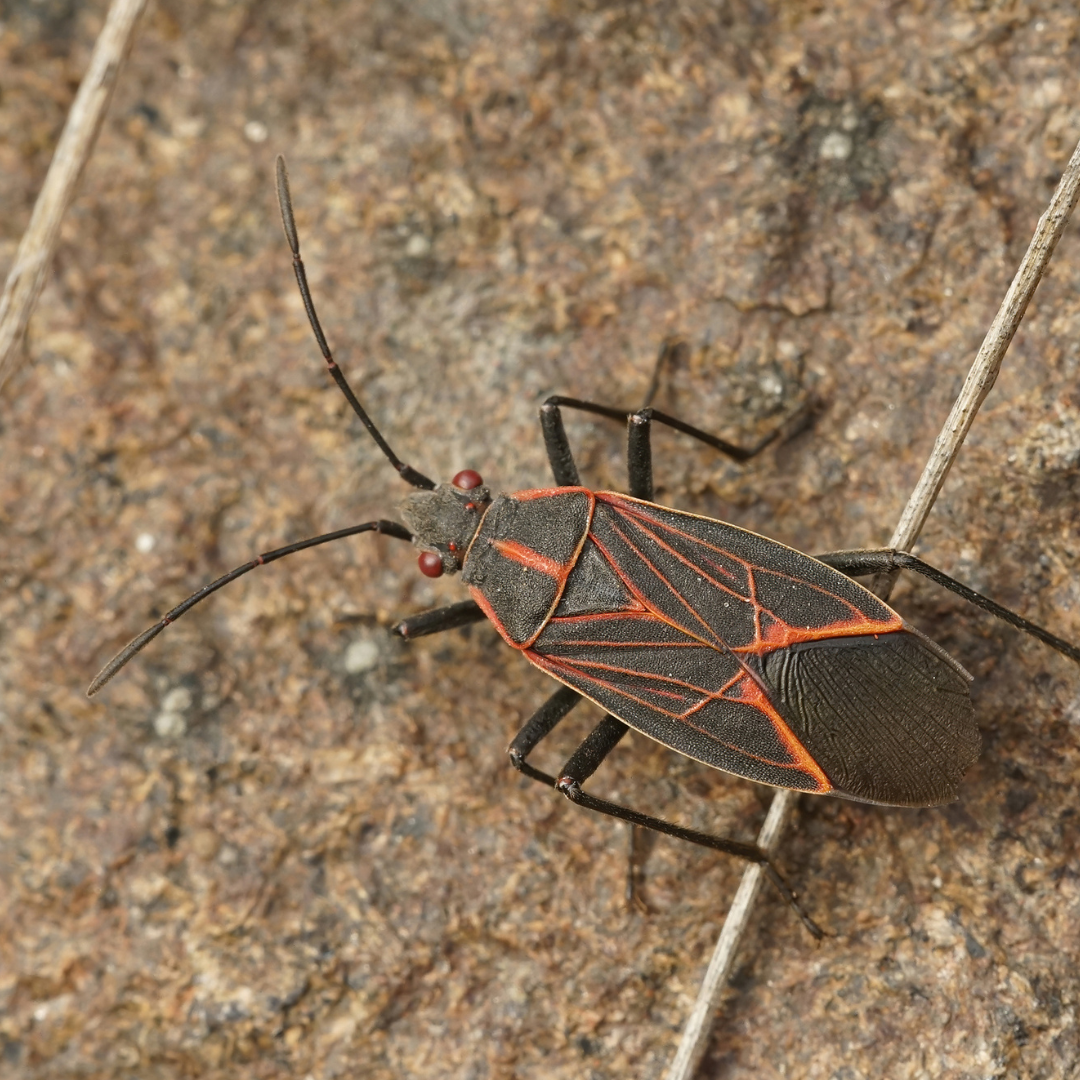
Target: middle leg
(562, 461)
(587, 759)
(561, 457)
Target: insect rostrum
(725, 646)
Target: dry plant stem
(34, 257)
(984, 371)
(699, 1025)
(979, 382)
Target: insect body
(726, 646)
(723, 645)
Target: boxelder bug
(726, 646)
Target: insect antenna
(407, 472)
(387, 528)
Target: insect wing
(756, 659)
(680, 691)
(729, 587)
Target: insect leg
(886, 560)
(439, 619)
(640, 476)
(557, 444)
(587, 758)
(558, 447)
(562, 462)
(537, 727)
(639, 454)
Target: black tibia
(640, 479)
(539, 726)
(558, 446)
(639, 455)
(887, 560)
(587, 758)
(584, 762)
(439, 619)
(407, 472)
(590, 755)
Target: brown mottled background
(283, 844)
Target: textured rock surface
(283, 844)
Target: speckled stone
(284, 844)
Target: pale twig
(978, 384)
(695, 1038)
(34, 256)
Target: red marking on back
(742, 689)
(534, 560)
(747, 692)
(775, 633)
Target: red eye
(467, 479)
(431, 564)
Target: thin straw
(980, 380)
(34, 256)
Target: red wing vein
(703, 692)
(693, 565)
(680, 717)
(717, 643)
(697, 569)
(614, 668)
(660, 577)
(750, 568)
(599, 616)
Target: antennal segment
(387, 528)
(407, 472)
